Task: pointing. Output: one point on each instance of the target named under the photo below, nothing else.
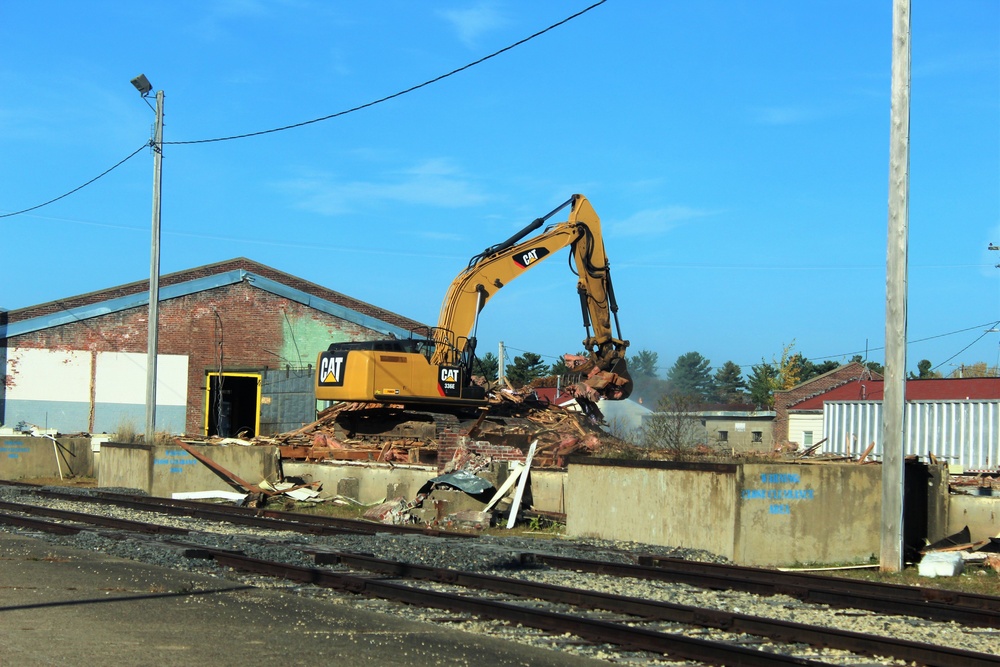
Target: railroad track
(636, 624)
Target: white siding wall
(800, 423)
(52, 388)
(48, 375)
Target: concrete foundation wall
(126, 466)
(548, 490)
(980, 513)
(654, 503)
(29, 458)
(162, 471)
(751, 514)
(795, 514)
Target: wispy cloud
(474, 21)
(787, 115)
(436, 183)
(655, 221)
(217, 15)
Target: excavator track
(390, 424)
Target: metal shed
(963, 432)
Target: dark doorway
(232, 405)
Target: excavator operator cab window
(426, 348)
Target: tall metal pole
(154, 276)
(501, 374)
(894, 395)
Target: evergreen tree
(488, 366)
(810, 370)
(643, 364)
(526, 367)
(730, 387)
(763, 381)
(691, 376)
(924, 371)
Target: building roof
(210, 276)
(951, 389)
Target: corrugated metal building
(956, 420)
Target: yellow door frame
(208, 394)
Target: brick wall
(451, 441)
(236, 327)
(783, 400)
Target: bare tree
(675, 427)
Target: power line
(394, 95)
(909, 342)
(981, 336)
(317, 120)
(77, 189)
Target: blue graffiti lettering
(779, 478)
(778, 494)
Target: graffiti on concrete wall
(175, 460)
(773, 491)
(11, 448)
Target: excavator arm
(491, 270)
(437, 370)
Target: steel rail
(39, 524)
(910, 601)
(806, 580)
(245, 517)
(107, 522)
(593, 630)
(784, 631)
(346, 525)
(829, 592)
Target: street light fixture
(142, 84)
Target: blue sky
(737, 153)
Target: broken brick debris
(395, 435)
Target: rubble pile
(951, 556)
(394, 434)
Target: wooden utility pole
(894, 396)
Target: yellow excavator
(436, 369)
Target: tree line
(693, 376)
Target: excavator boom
(438, 369)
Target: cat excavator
(434, 371)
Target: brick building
(237, 341)
(784, 400)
